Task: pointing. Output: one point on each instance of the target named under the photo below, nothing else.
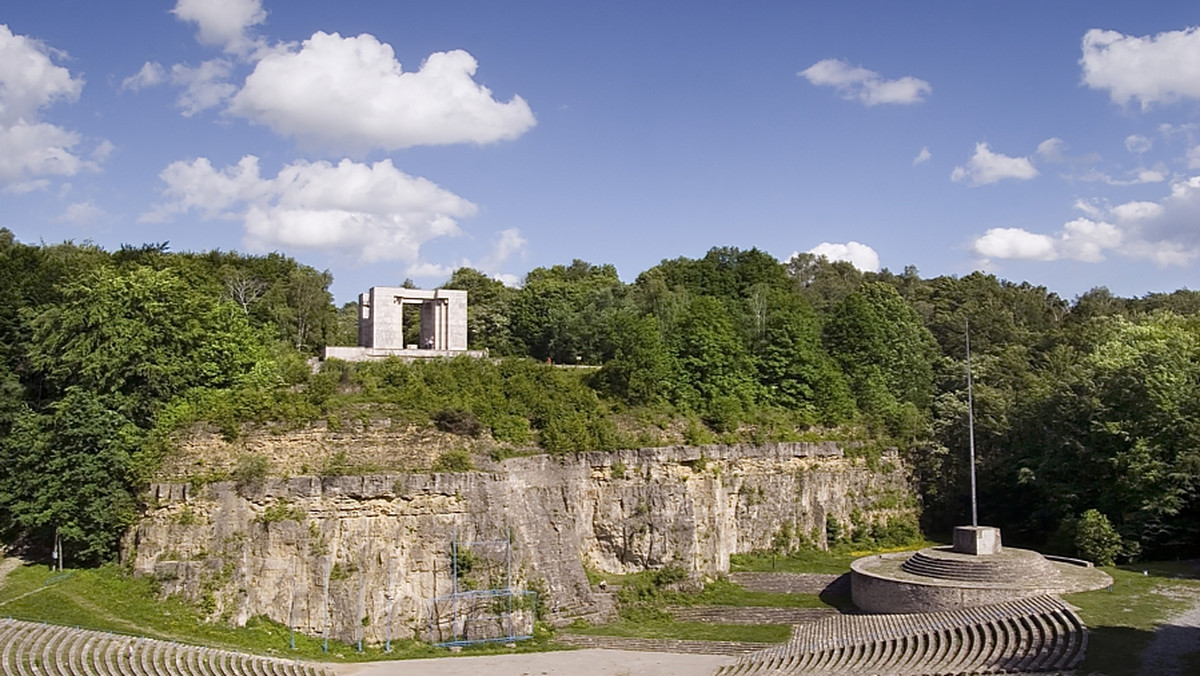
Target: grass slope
(108, 599)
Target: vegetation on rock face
(105, 357)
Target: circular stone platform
(939, 578)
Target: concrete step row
(1026, 636)
(752, 615)
(661, 645)
(791, 583)
(34, 649)
(975, 571)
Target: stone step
(662, 645)
(748, 614)
(792, 583)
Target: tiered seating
(1028, 635)
(1014, 565)
(32, 649)
(756, 615)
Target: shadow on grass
(1114, 651)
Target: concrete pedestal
(977, 540)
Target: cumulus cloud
(31, 150)
(1164, 232)
(81, 213)
(866, 86)
(372, 210)
(152, 73)
(1159, 69)
(986, 167)
(353, 95)
(923, 156)
(204, 86)
(859, 255)
(1139, 176)
(1138, 144)
(1009, 243)
(1051, 150)
(224, 23)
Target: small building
(443, 330)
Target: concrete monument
(443, 331)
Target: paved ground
(566, 663)
(1177, 637)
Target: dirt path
(7, 565)
(1177, 637)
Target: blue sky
(1057, 143)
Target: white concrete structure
(381, 325)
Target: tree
(637, 365)
(139, 338)
(70, 472)
(885, 351)
(716, 374)
(1096, 540)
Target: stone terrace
(32, 649)
(1039, 634)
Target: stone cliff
(346, 556)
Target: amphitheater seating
(1029, 635)
(33, 649)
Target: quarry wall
(351, 556)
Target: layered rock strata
(359, 556)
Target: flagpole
(971, 427)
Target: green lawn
(833, 562)
(108, 599)
(1122, 621)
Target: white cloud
(29, 81)
(81, 213)
(508, 243)
(224, 23)
(1008, 243)
(1050, 150)
(986, 167)
(922, 157)
(1159, 69)
(859, 255)
(1166, 232)
(1193, 158)
(204, 86)
(31, 150)
(353, 95)
(1139, 176)
(152, 73)
(372, 210)
(867, 86)
(1138, 144)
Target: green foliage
(454, 460)
(250, 471)
(138, 338)
(281, 510)
(458, 421)
(70, 471)
(1096, 540)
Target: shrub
(454, 460)
(250, 471)
(458, 421)
(1096, 539)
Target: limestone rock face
(354, 555)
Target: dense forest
(1087, 412)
